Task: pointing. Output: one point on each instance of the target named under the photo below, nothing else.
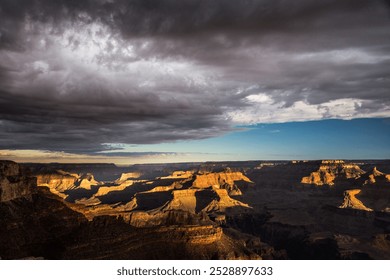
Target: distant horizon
(200, 162)
(311, 140)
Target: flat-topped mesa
(218, 179)
(179, 175)
(221, 180)
(330, 170)
(350, 201)
(13, 183)
(265, 164)
(126, 176)
(332, 161)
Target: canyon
(329, 209)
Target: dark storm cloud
(180, 18)
(78, 75)
(70, 126)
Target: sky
(194, 80)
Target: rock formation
(184, 200)
(195, 201)
(179, 175)
(104, 190)
(61, 182)
(225, 180)
(169, 242)
(181, 191)
(126, 176)
(330, 170)
(202, 211)
(223, 202)
(350, 201)
(86, 181)
(218, 179)
(375, 176)
(58, 181)
(34, 223)
(13, 183)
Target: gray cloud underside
(76, 75)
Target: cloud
(271, 111)
(77, 76)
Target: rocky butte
(329, 170)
